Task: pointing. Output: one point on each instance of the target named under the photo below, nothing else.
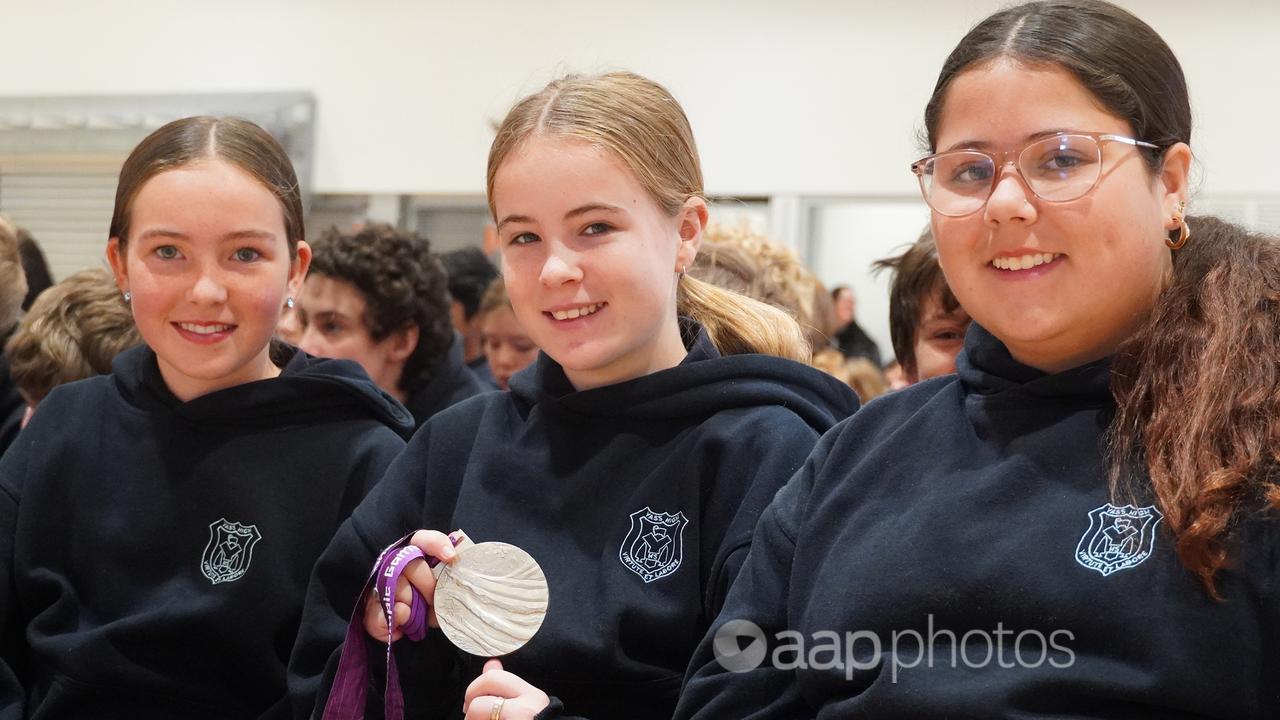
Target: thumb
(494, 664)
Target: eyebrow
(592, 207)
(236, 235)
(983, 144)
(576, 212)
(944, 316)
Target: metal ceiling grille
(65, 203)
(60, 157)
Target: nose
(208, 288)
(560, 267)
(502, 358)
(1011, 200)
(309, 341)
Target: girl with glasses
(631, 461)
(158, 525)
(1083, 522)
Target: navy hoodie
(155, 553)
(953, 551)
(576, 479)
(12, 405)
(451, 383)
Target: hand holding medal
(489, 599)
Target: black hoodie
(971, 516)
(156, 553)
(576, 479)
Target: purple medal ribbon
(389, 572)
(350, 683)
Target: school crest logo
(654, 546)
(1118, 538)
(229, 552)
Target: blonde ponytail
(739, 325)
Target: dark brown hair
(470, 275)
(192, 139)
(1197, 387)
(1114, 55)
(403, 284)
(916, 276)
(34, 266)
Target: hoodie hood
(308, 389)
(702, 384)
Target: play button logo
(739, 646)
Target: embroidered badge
(1118, 538)
(654, 546)
(229, 552)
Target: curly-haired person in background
(380, 297)
(737, 257)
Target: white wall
(791, 98)
(795, 97)
(849, 236)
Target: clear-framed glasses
(1058, 168)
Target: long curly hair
(1198, 393)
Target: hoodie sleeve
(752, 469)
(393, 508)
(12, 630)
(759, 596)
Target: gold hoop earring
(1184, 231)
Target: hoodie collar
(307, 389)
(987, 369)
(546, 380)
(700, 385)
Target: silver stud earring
(128, 296)
(289, 303)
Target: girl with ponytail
(631, 460)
